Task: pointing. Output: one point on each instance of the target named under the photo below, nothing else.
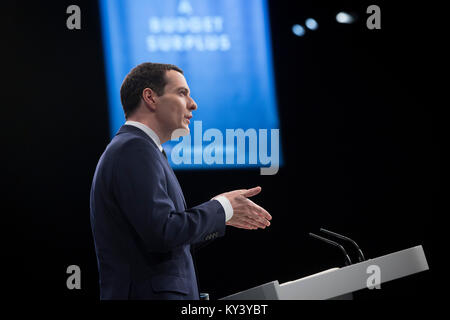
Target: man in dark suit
(143, 231)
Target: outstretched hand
(247, 214)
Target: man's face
(175, 106)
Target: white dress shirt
(222, 199)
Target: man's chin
(180, 132)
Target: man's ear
(149, 97)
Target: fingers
(256, 221)
(260, 210)
(241, 226)
(251, 192)
(252, 221)
(258, 213)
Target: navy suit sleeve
(140, 188)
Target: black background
(359, 135)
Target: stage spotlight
(298, 30)
(344, 17)
(311, 24)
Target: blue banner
(224, 49)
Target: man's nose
(193, 105)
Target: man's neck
(152, 125)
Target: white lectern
(339, 283)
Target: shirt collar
(148, 131)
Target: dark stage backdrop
(358, 133)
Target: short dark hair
(146, 75)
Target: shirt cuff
(226, 206)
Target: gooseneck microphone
(347, 258)
(361, 257)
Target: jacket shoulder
(127, 143)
